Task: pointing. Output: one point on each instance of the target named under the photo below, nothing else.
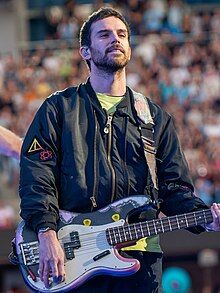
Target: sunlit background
(176, 62)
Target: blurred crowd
(176, 62)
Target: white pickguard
(93, 242)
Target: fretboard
(133, 232)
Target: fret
(166, 224)
(201, 218)
(135, 231)
(195, 218)
(114, 236)
(170, 224)
(158, 226)
(127, 233)
(155, 229)
(174, 223)
(181, 221)
(119, 234)
(208, 216)
(142, 232)
(151, 227)
(138, 231)
(144, 228)
(124, 233)
(130, 231)
(148, 229)
(187, 224)
(110, 237)
(191, 218)
(204, 215)
(162, 227)
(177, 221)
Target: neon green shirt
(109, 103)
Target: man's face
(110, 49)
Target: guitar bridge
(30, 253)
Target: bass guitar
(91, 242)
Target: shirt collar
(125, 107)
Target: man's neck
(113, 84)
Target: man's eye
(104, 35)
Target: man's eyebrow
(123, 31)
(107, 31)
(102, 31)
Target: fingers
(45, 275)
(61, 271)
(41, 269)
(51, 269)
(215, 209)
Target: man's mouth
(115, 50)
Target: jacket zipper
(93, 197)
(124, 161)
(108, 131)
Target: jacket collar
(125, 107)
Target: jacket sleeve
(175, 185)
(39, 174)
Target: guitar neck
(136, 231)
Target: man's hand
(215, 225)
(51, 258)
(10, 143)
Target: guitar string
(130, 236)
(92, 245)
(135, 235)
(153, 223)
(84, 250)
(132, 228)
(90, 241)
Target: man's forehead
(109, 23)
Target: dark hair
(104, 12)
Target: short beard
(106, 64)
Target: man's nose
(115, 38)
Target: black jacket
(71, 158)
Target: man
(10, 143)
(80, 157)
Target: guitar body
(86, 247)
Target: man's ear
(85, 52)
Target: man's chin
(117, 61)
(112, 64)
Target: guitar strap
(147, 135)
